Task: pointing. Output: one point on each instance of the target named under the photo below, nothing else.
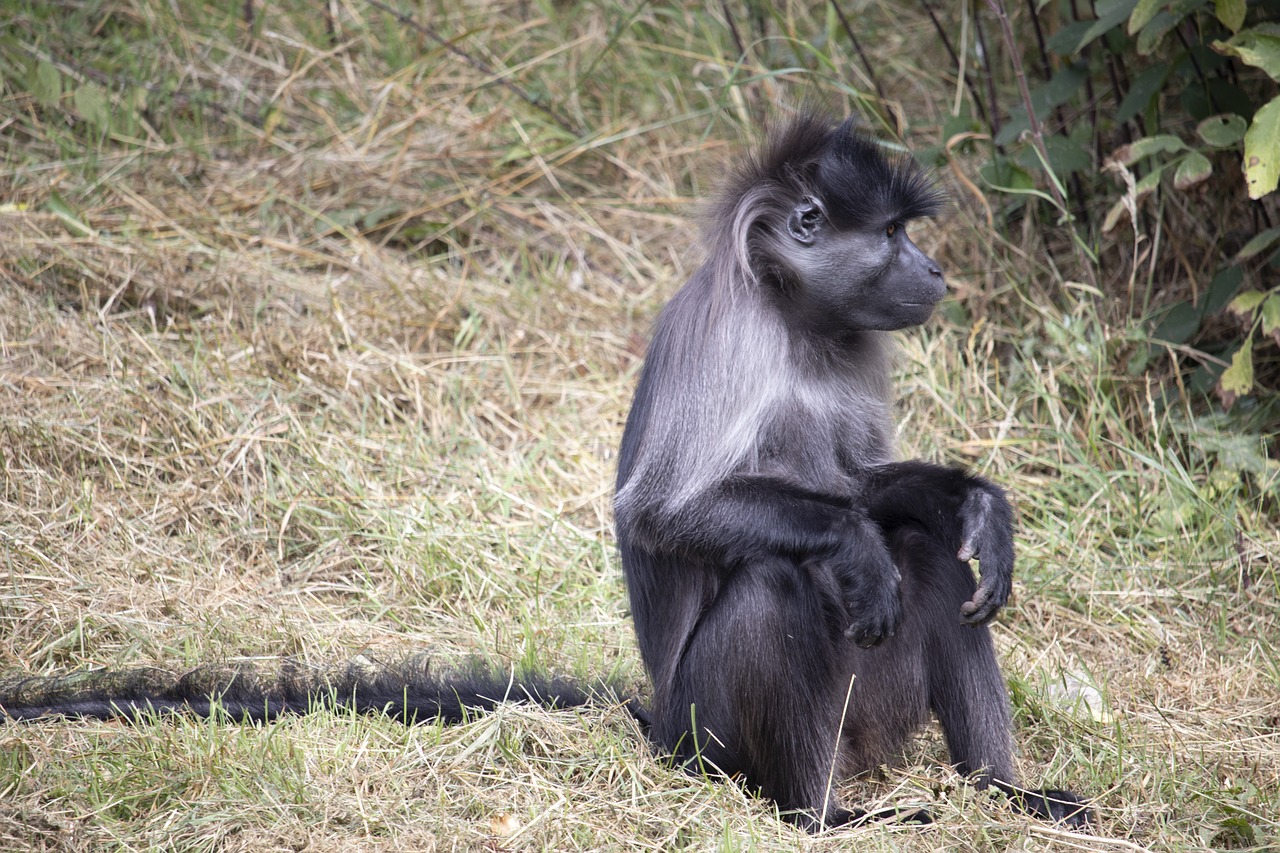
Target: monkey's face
(868, 277)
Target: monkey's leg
(965, 685)
(758, 691)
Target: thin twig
(1077, 185)
(733, 31)
(866, 63)
(480, 65)
(1195, 64)
(1037, 132)
(835, 755)
(1086, 842)
(955, 58)
(1046, 69)
(989, 61)
(1119, 91)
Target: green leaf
(1143, 13)
(1153, 32)
(1262, 150)
(1260, 242)
(1061, 88)
(1065, 40)
(59, 207)
(1003, 173)
(1146, 147)
(1235, 832)
(1222, 131)
(1139, 360)
(953, 126)
(1271, 315)
(1110, 15)
(1221, 289)
(1143, 88)
(1247, 302)
(46, 84)
(1177, 327)
(1235, 451)
(1163, 22)
(1230, 12)
(1237, 379)
(1193, 169)
(93, 106)
(1257, 46)
(373, 218)
(1149, 183)
(1066, 156)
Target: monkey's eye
(891, 229)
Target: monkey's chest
(827, 447)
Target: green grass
(320, 345)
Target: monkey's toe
(1050, 804)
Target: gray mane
(723, 369)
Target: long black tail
(409, 691)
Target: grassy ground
(316, 339)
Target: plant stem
(1037, 132)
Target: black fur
(410, 691)
(777, 560)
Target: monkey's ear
(804, 221)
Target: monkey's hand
(987, 533)
(869, 584)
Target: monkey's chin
(913, 314)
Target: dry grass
(326, 352)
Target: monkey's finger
(868, 636)
(972, 613)
(991, 595)
(871, 639)
(968, 548)
(982, 608)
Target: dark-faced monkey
(802, 602)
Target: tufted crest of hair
(862, 186)
(855, 179)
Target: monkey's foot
(1054, 806)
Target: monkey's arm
(968, 512)
(749, 516)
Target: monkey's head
(835, 231)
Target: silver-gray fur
(739, 378)
(774, 552)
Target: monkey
(801, 600)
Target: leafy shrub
(1168, 101)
